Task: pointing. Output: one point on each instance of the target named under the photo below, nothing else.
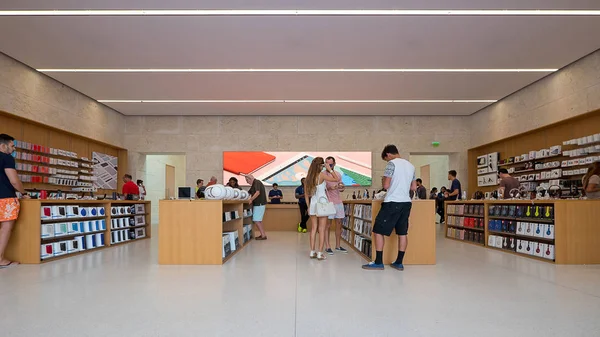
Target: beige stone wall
(27, 93)
(567, 93)
(203, 139)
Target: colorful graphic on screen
(288, 168)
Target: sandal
(260, 237)
(321, 256)
(9, 265)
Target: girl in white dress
(315, 189)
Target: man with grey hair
(212, 181)
(258, 198)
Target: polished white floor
(273, 289)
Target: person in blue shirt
(303, 207)
(455, 191)
(275, 195)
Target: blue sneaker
(341, 250)
(372, 266)
(397, 266)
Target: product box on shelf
(47, 231)
(140, 233)
(140, 220)
(549, 253)
(73, 246)
(60, 248)
(59, 212)
(99, 240)
(72, 211)
(140, 208)
(60, 229)
(73, 228)
(548, 231)
(90, 241)
(80, 242)
(247, 232)
(47, 251)
(226, 246)
(234, 240)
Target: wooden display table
(190, 232)
(358, 224)
(48, 230)
(559, 231)
(281, 217)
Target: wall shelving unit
(555, 231)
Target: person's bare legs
(323, 232)
(402, 242)
(379, 242)
(313, 231)
(327, 231)
(259, 224)
(5, 232)
(338, 233)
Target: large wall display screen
(287, 168)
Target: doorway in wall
(163, 173)
(432, 169)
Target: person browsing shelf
(299, 193)
(507, 183)
(455, 191)
(233, 182)
(433, 193)
(131, 191)
(258, 199)
(591, 182)
(395, 210)
(9, 203)
(315, 190)
(275, 195)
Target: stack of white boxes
(534, 247)
(74, 223)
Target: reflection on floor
(272, 288)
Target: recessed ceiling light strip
(300, 101)
(285, 70)
(301, 12)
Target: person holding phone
(275, 195)
(318, 174)
(333, 193)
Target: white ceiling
(298, 42)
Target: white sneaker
(313, 254)
(321, 256)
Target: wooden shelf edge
(128, 241)
(465, 241)
(521, 255)
(56, 258)
(125, 215)
(468, 228)
(53, 221)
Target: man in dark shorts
(399, 179)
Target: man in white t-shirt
(399, 179)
